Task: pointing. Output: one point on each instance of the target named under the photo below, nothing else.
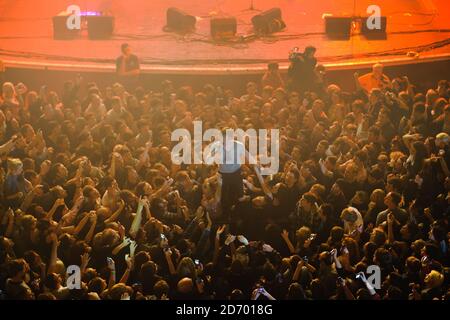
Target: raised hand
(133, 246)
(255, 294)
(125, 296)
(199, 213)
(242, 240)
(38, 190)
(390, 218)
(164, 243)
(54, 239)
(129, 261)
(267, 247)
(111, 264)
(362, 276)
(333, 254)
(220, 230)
(92, 216)
(164, 297)
(85, 258)
(230, 239)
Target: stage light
(60, 29)
(269, 21)
(223, 28)
(100, 26)
(179, 21)
(338, 28)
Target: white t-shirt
(231, 158)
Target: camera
(294, 54)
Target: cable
(152, 61)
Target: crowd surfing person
(87, 180)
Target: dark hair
(272, 65)
(310, 49)
(295, 292)
(310, 197)
(161, 287)
(124, 46)
(16, 266)
(327, 209)
(87, 190)
(396, 183)
(52, 281)
(46, 296)
(396, 197)
(97, 285)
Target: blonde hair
(14, 164)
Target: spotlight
(269, 21)
(179, 21)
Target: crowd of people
(358, 210)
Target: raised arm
(219, 232)
(285, 236)
(297, 271)
(59, 202)
(53, 254)
(9, 221)
(81, 225)
(168, 256)
(28, 200)
(117, 213)
(112, 272)
(93, 221)
(130, 261)
(136, 224)
(390, 225)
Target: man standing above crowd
(373, 80)
(272, 77)
(301, 72)
(127, 67)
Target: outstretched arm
(137, 220)
(285, 236)
(117, 213)
(54, 254)
(9, 220)
(168, 255)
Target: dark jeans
(232, 190)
